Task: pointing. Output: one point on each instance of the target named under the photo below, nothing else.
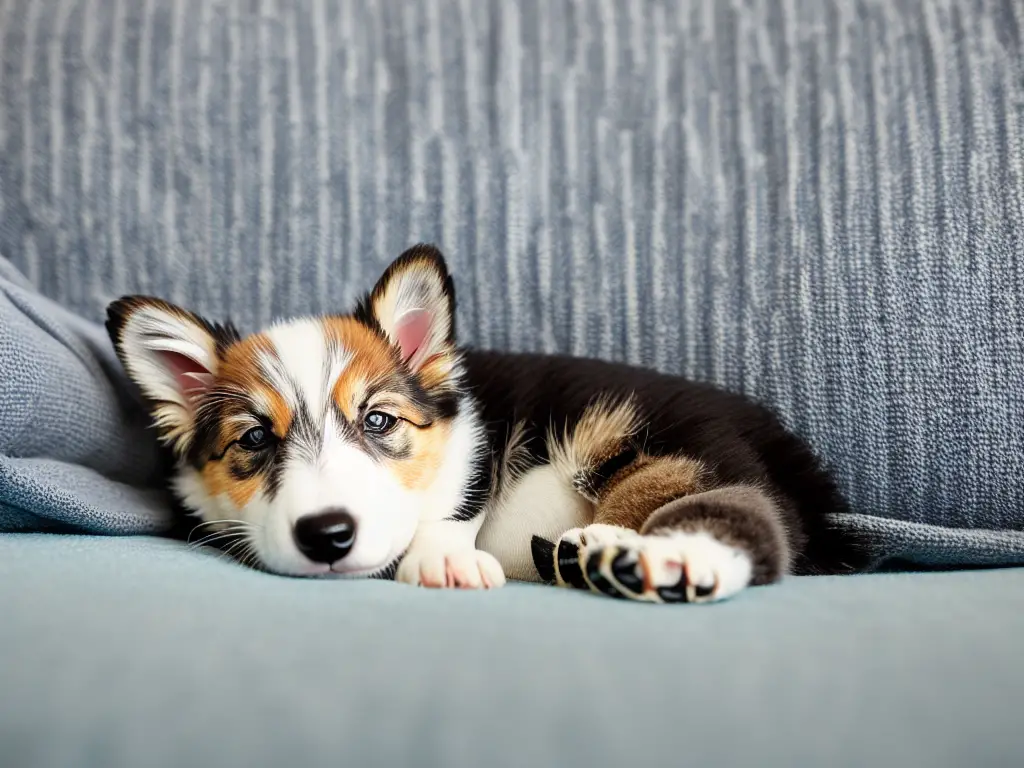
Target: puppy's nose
(327, 536)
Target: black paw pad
(543, 558)
(569, 565)
(704, 590)
(601, 584)
(675, 593)
(624, 570)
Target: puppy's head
(318, 444)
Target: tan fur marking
(280, 414)
(219, 481)
(241, 369)
(426, 455)
(240, 366)
(372, 359)
(349, 391)
(436, 371)
(649, 483)
(604, 429)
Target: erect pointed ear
(414, 304)
(171, 354)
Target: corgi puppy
(370, 444)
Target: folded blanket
(75, 454)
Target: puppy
(369, 444)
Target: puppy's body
(370, 444)
(687, 438)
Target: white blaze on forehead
(306, 366)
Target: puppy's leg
(443, 553)
(699, 548)
(664, 532)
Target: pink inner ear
(191, 377)
(412, 330)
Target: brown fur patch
(373, 359)
(645, 485)
(426, 453)
(241, 370)
(280, 414)
(219, 481)
(240, 363)
(437, 371)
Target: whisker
(232, 525)
(211, 538)
(226, 543)
(217, 536)
(233, 552)
(251, 556)
(238, 545)
(238, 542)
(223, 520)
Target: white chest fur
(540, 503)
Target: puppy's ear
(172, 355)
(413, 303)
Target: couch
(819, 203)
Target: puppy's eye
(378, 422)
(255, 439)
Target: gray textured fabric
(819, 203)
(136, 652)
(74, 450)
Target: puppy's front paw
(430, 565)
(674, 568)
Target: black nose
(326, 537)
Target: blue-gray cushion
(817, 203)
(132, 652)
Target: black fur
(743, 442)
(543, 552)
(592, 482)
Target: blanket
(75, 451)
